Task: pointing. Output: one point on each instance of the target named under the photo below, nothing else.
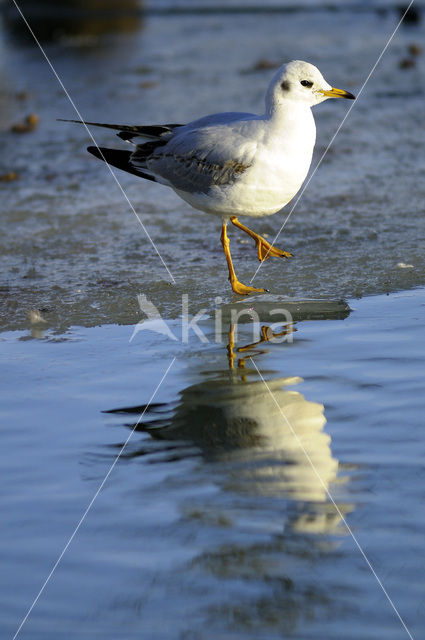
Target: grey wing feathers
(191, 164)
(194, 173)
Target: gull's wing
(201, 155)
(212, 151)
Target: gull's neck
(290, 127)
(288, 111)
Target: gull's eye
(306, 83)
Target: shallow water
(213, 523)
(74, 248)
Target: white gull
(234, 164)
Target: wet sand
(74, 248)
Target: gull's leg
(237, 286)
(265, 249)
(267, 334)
(231, 346)
(231, 353)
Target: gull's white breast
(279, 166)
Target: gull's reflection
(263, 436)
(256, 512)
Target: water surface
(213, 523)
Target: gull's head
(301, 82)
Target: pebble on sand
(9, 176)
(28, 124)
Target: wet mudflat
(73, 246)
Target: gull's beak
(337, 93)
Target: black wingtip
(120, 159)
(116, 157)
(95, 151)
(66, 120)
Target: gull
(234, 164)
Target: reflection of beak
(337, 93)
